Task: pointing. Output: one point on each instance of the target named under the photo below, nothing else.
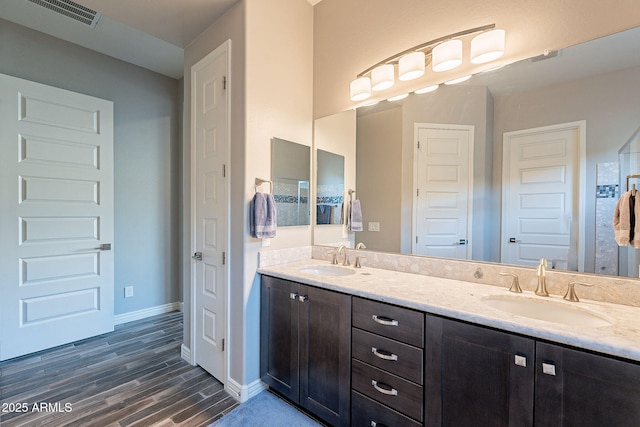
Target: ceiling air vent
(72, 10)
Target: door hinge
(417, 192)
(224, 171)
(416, 240)
(418, 145)
(224, 258)
(224, 82)
(222, 344)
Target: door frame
(414, 210)
(580, 188)
(221, 49)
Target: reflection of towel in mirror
(323, 214)
(355, 216)
(262, 216)
(625, 220)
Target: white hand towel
(262, 216)
(355, 216)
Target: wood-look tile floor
(133, 376)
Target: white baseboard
(147, 312)
(185, 353)
(242, 393)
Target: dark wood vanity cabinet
(476, 376)
(387, 366)
(482, 377)
(581, 389)
(305, 341)
(353, 361)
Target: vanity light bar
(444, 53)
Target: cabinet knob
(520, 360)
(293, 296)
(384, 354)
(384, 320)
(389, 391)
(549, 369)
(302, 298)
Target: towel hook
(633, 186)
(260, 181)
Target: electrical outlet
(128, 291)
(374, 226)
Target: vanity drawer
(366, 413)
(401, 359)
(401, 324)
(391, 390)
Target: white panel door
(540, 196)
(442, 214)
(56, 216)
(210, 135)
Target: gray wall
(147, 154)
(379, 176)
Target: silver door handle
(105, 247)
(197, 256)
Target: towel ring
(260, 181)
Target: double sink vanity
(396, 347)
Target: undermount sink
(328, 270)
(549, 311)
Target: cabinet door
(325, 354)
(475, 376)
(279, 336)
(576, 388)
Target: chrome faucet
(542, 283)
(346, 255)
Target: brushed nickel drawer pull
(382, 354)
(391, 392)
(384, 320)
(375, 424)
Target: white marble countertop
(464, 301)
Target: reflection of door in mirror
(290, 171)
(541, 196)
(443, 182)
(330, 187)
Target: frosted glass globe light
(447, 55)
(487, 46)
(411, 66)
(382, 77)
(360, 89)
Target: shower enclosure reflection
(330, 187)
(290, 171)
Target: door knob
(197, 256)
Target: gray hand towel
(355, 216)
(262, 216)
